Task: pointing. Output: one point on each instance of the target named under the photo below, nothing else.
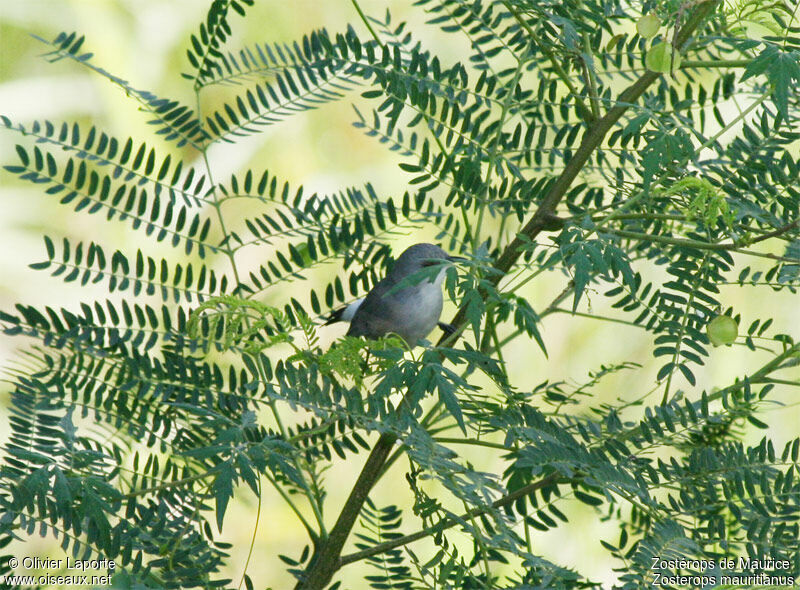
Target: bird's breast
(420, 310)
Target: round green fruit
(660, 58)
(723, 329)
(648, 26)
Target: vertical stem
(253, 539)
(230, 253)
(584, 111)
(424, 114)
(494, 149)
(591, 79)
(676, 356)
(481, 546)
(326, 559)
(365, 20)
(216, 203)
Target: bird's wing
(372, 326)
(374, 318)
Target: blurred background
(144, 42)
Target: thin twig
(450, 522)
(584, 111)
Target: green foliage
(135, 419)
(238, 323)
(174, 121)
(206, 48)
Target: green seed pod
(723, 329)
(660, 58)
(648, 26)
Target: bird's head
(421, 256)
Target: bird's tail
(344, 314)
(336, 316)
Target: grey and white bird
(411, 311)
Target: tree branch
(591, 140)
(326, 559)
(730, 246)
(719, 63)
